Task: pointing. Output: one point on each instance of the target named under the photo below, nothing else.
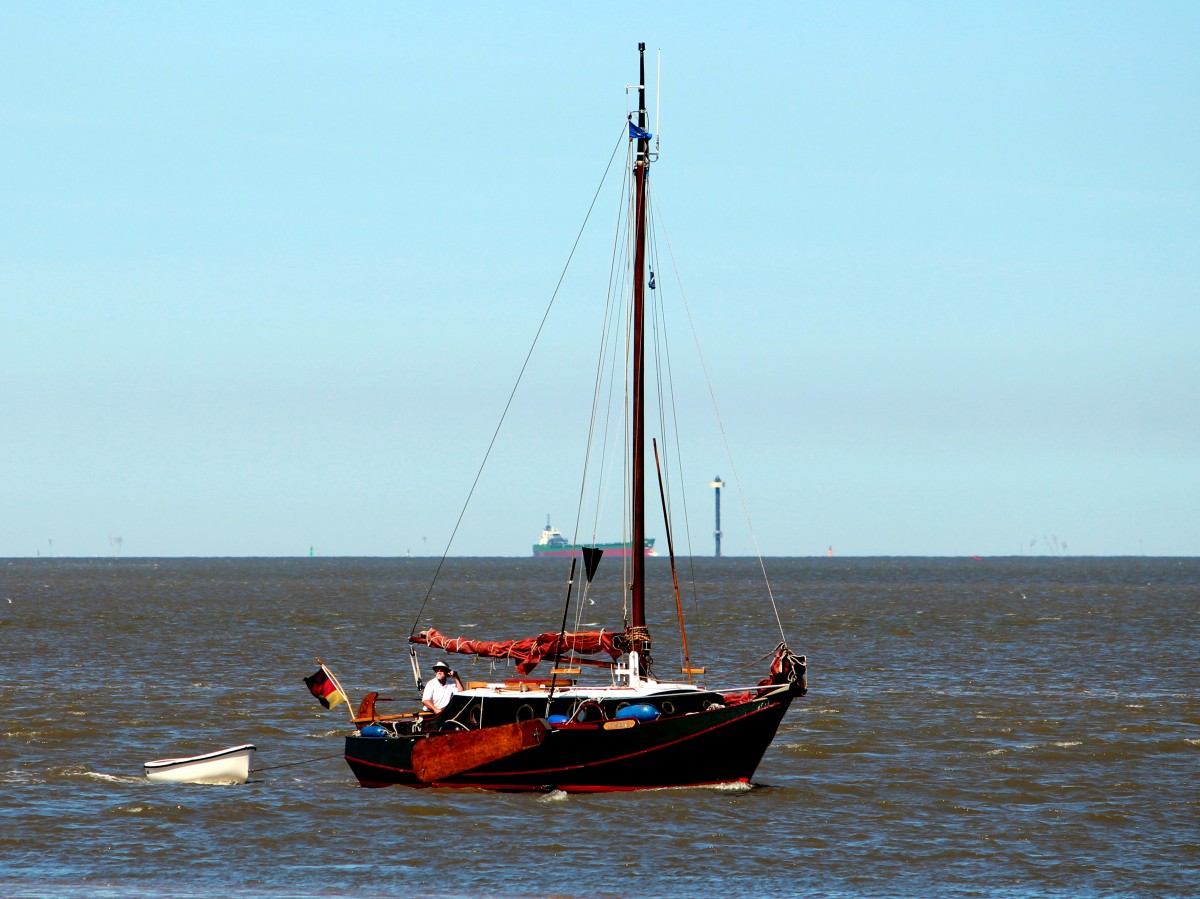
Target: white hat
(441, 664)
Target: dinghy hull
(225, 766)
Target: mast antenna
(658, 107)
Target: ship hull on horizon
(610, 549)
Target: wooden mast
(639, 636)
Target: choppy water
(1004, 727)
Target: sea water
(992, 727)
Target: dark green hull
(716, 746)
(610, 549)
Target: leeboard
(444, 755)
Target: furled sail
(528, 652)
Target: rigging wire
(607, 342)
(620, 322)
(520, 377)
(724, 434)
(663, 359)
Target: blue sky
(269, 271)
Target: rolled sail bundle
(527, 653)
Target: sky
(269, 272)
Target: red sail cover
(528, 652)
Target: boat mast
(639, 636)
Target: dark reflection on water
(997, 727)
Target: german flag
(323, 686)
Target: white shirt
(439, 693)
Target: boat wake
(737, 787)
(83, 771)
(23, 778)
(730, 788)
(110, 778)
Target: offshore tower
(716, 485)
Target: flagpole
(346, 696)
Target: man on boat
(439, 690)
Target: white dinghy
(225, 766)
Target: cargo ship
(553, 543)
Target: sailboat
(556, 731)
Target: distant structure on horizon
(716, 485)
